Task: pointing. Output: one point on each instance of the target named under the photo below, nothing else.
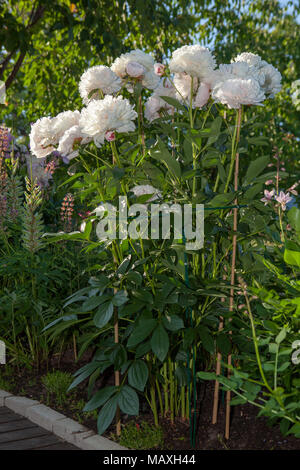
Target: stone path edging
(57, 423)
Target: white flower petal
(109, 114)
(196, 61)
(101, 78)
(238, 91)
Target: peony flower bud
(110, 136)
(159, 69)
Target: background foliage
(47, 45)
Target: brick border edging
(63, 427)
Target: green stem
(234, 144)
(153, 404)
(160, 400)
(280, 214)
(182, 398)
(255, 341)
(171, 377)
(276, 366)
(115, 153)
(166, 394)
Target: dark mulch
(247, 432)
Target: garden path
(18, 433)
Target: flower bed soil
(247, 432)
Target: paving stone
(98, 443)
(70, 430)
(3, 396)
(20, 405)
(44, 416)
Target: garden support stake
(233, 163)
(116, 319)
(233, 262)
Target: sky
(290, 8)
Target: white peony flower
(155, 103)
(152, 107)
(202, 96)
(196, 61)
(68, 144)
(250, 58)
(135, 70)
(267, 75)
(272, 83)
(127, 66)
(237, 91)
(46, 132)
(42, 138)
(64, 121)
(243, 70)
(150, 80)
(234, 70)
(109, 114)
(101, 78)
(183, 83)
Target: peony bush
(156, 313)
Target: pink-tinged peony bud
(135, 70)
(82, 226)
(110, 136)
(269, 182)
(159, 69)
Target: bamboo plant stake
(116, 326)
(233, 262)
(234, 160)
(219, 355)
(218, 368)
(117, 372)
(217, 383)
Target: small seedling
(141, 436)
(57, 384)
